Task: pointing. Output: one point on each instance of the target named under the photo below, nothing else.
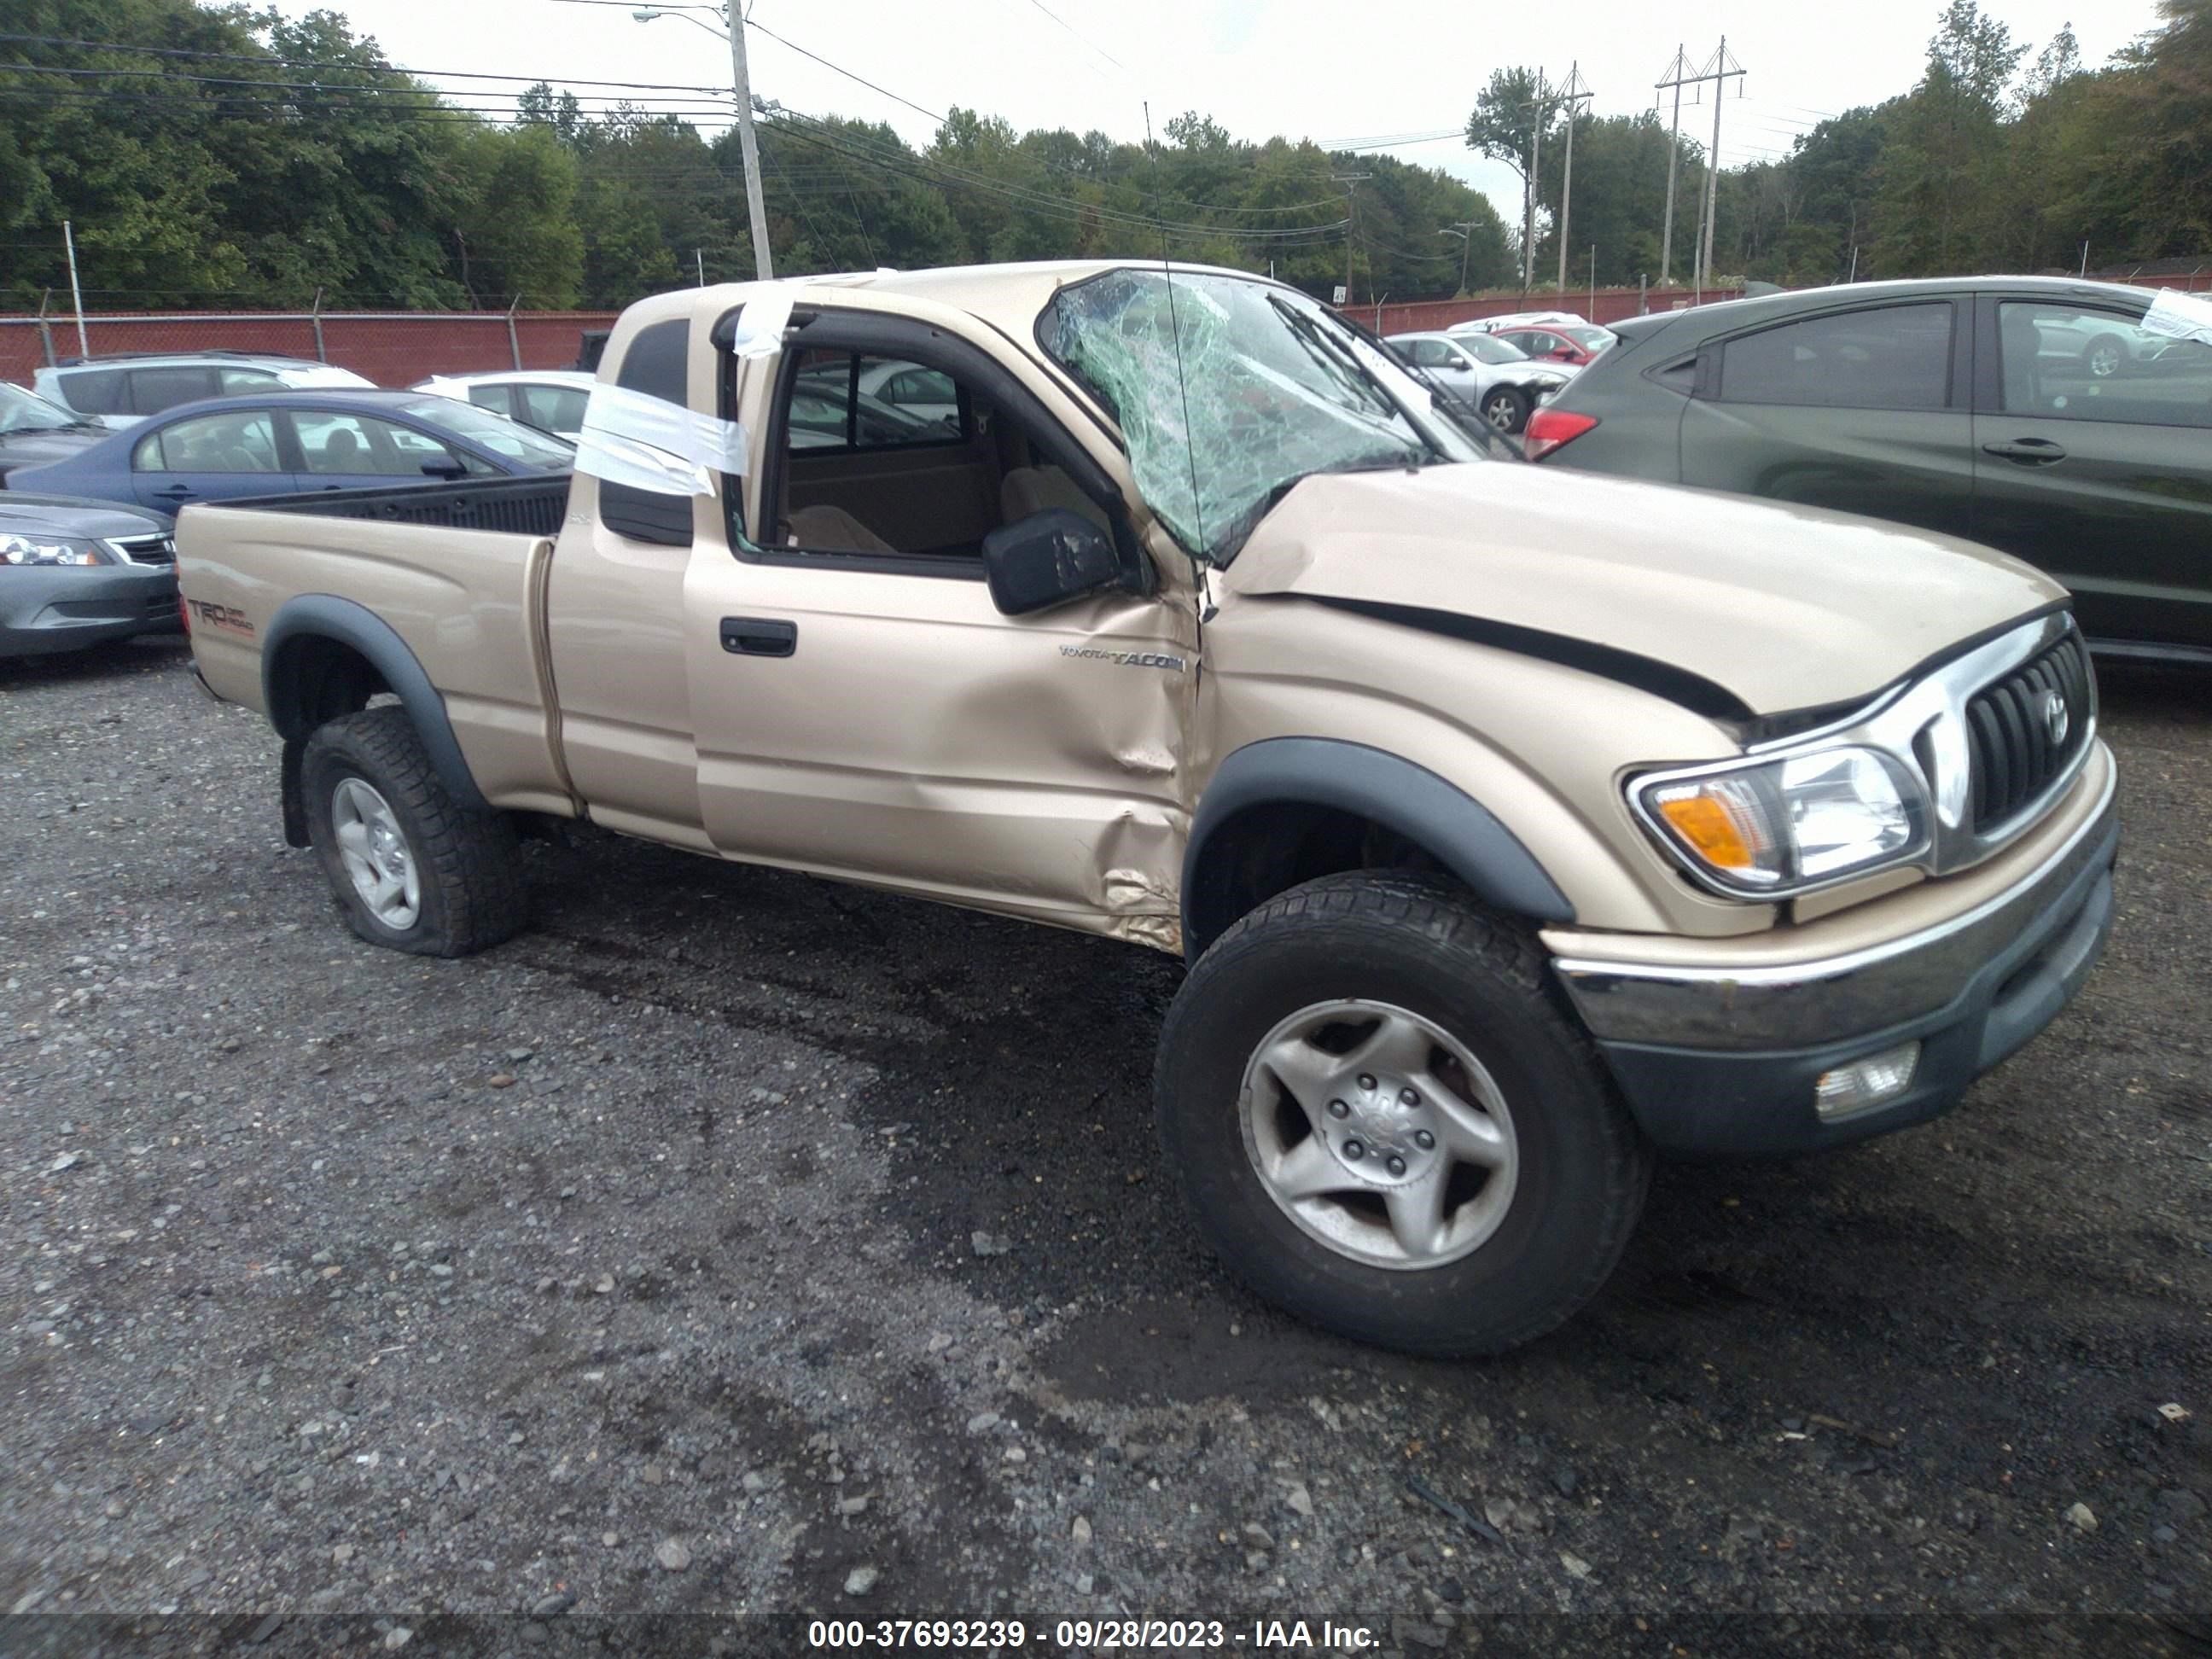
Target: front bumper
(1717, 1061)
(44, 610)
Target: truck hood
(1782, 607)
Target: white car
(124, 390)
(1502, 384)
(1516, 320)
(550, 399)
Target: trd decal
(228, 616)
(1128, 659)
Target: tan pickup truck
(1516, 826)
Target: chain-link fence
(391, 347)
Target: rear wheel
(2105, 356)
(1506, 409)
(1381, 1120)
(412, 870)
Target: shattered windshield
(1269, 389)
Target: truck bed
(515, 506)
(456, 570)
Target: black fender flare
(1462, 833)
(325, 615)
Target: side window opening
(2067, 362)
(1882, 357)
(242, 441)
(95, 390)
(885, 457)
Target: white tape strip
(762, 323)
(649, 443)
(2179, 316)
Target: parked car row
(96, 461)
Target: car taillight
(1548, 428)
(184, 613)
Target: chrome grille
(2023, 730)
(147, 549)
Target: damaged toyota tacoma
(1517, 828)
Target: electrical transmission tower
(1720, 68)
(1577, 91)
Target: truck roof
(1008, 297)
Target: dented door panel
(916, 736)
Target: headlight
(48, 550)
(1786, 826)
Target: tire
(2105, 356)
(1575, 1166)
(1505, 408)
(462, 889)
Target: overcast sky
(1338, 73)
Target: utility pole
(747, 143)
(1528, 190)
(1575, 91)
(1350, 183)
(76, 293)
(1720, 70)
(1465, 231)
(1675, 73)
(733, 15)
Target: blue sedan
(284, 443)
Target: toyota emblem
(2056, 720)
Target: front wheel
(1506, 409)
(411, 868)
(1382, 1121)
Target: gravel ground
(735, 1241)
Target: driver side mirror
(1047, 559)
(444, 468)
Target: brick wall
(394, 349)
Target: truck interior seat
(832, 530)
(1029, 489)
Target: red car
(1559, 343)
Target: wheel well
(315, 679)
(1266, 850)
(319, 680)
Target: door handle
(178, 491)
(2031, 451)
(759, 636)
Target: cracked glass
(1266, 388)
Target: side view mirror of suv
(1047, 559)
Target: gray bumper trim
(1802, 1004)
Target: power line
(1070, 28)
(380, 68)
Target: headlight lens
(1792, 823)
(48, 550)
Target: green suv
(2039, 416)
